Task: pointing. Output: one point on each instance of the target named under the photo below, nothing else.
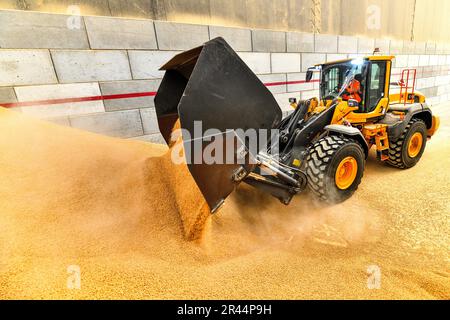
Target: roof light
(358, 61)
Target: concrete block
(383, 45)
(413, 61)
(259, 63)
(430, 93)
(125, 87)
(440, 48)
(91, 65)
(311, 59)
(149, 120)
(396, 47)
(25, 29)
(24, 67)
(239, 39)
(433, 101)
(420, 84)
(424, 60)
(431, 82)
(356, 56)
(7, 95)
(441, 90)
(179, 36)
(434, 60)
(268, 41)
(300, 42)
(146, 64)
(302, 86)
(442, 60)
(276, 83)
(285, 62)
(117, 33)
(401, 61)
(435, 68)
(283, 100)
(420, 48)
(310, 94)
(366, 45)
(60, 91)
(316, 78)
(443, 98)
(123, 124)
(396, 74)
(408, 47)
(430, 47)
(325, 43)
(425, 83)
(152, 138)
(420, 70)
(347, 44)
(440, 81)
(336, 57)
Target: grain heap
(121, 211)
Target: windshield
(343, 80)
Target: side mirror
(309, 75)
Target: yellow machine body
(374, 132)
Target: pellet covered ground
(117, 210)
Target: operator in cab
(353, 90)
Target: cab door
(377, 92)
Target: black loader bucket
(206, 88)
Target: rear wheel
(335, 166)
(408, 149)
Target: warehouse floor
(70, 197)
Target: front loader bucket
(210, 87)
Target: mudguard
(417, 110)
(350, 132)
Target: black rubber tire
(323, 160)
(398, 149)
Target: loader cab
(362, 81)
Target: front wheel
(335, 166)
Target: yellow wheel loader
(218, 104)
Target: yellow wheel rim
(415, 145)
(346, 173)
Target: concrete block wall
(102, 75)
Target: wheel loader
(212, 96)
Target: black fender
(416, 111)
(350, 132)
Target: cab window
(332, 80)
(377, 77)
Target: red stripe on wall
(272, 84)
(112, 97)
(80, 99)
(130, 95)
